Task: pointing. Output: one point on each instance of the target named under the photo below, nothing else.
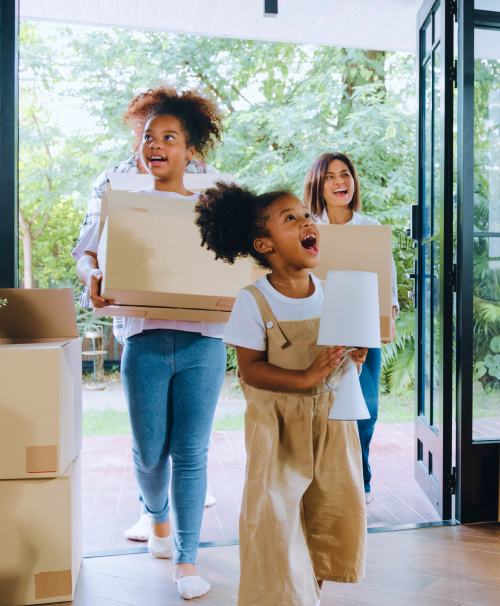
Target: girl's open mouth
(341, 192)
(309, 244)
(156, 160)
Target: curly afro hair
(230, 218)
(198, 115)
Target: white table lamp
(351, 318)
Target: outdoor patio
(110, 495)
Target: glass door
(478, 260)
(433, 231)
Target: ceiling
(369, 24)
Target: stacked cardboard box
(40, 443)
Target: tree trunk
(27, 240)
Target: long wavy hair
(315, 182)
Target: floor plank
(447, 566)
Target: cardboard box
(40, 383)
(358, 248)
(154, 266)
(195, 182)
(41, 546)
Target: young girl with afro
(303, 517)
(172, 372)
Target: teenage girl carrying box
(303, 516)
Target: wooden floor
(449, 566)
(110, 503)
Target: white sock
(161, 547)
(192, 587)
(209, 500)
(140, 530)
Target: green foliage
(398, 357)
(3, 302)
(232, 360)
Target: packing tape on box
(41, 459)
(56, 584)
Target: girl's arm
(257, 372)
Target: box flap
(194, 182)
(38, 314)
(129, 181)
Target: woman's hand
(322, 366)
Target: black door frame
(9, 147)
(477, 462)
(436, 480)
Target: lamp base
(349, 404)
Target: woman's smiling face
(164, 152)
(338, 188)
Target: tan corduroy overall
(303, 514)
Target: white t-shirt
(361, 220)
(246, 327)
(133, 326)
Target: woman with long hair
(332, 195)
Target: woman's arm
(256, 371)
(89, 273)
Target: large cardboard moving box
(40, 383)
(360, 248)
(154, 266)
(41, 545)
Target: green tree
(283, 105)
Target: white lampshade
(350, 315)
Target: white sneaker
(368, 497)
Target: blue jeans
(369, 379)
(172, 380)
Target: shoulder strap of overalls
(272, 327)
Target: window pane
(486, 397)
(437, 24)
(426, 330)
(437, 140)
(437, 333)
(427, 159)
(428, 38)
(487, 131)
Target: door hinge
(453, 278)
(452, 480)
(454, 9)
(453, 73)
